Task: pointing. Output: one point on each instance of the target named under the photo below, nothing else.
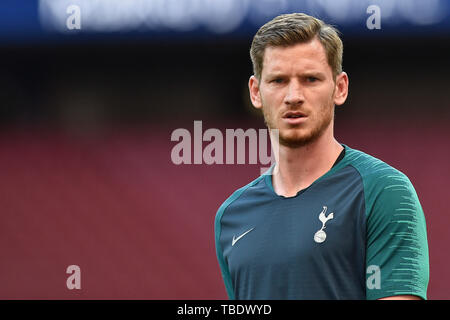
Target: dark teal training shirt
(358, 232)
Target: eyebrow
(303, 74)
(314, 73)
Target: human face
(297, 92)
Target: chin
(303, 136)
(295, 138)
(295, 141)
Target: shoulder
(372, 168)
(383, 184)
(374, 172)
(235, 196)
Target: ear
(341, 89)
(253, 86)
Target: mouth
(294, 117)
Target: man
(328, 221)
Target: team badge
(320, 235)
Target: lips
(294, 117)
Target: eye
(277, 80)
(311, 79)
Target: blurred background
(91, 91)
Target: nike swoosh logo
(238, 238)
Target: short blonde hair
(290, 29)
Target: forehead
(308, 56)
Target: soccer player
(327, 221)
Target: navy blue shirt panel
(269, 242)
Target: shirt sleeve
(396, 249)
(219, 251)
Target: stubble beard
(300, 140)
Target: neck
(298, 168)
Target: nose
(294, 94)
